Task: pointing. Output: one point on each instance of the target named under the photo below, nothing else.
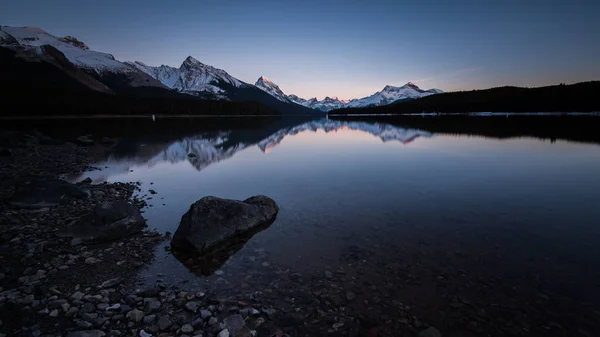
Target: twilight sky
(347, 48)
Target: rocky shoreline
(53, 286)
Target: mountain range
(101, 72)
(389, 94)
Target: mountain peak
(412, 85)
(191, 61)
(264, 81)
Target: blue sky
(347, 49)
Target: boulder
(211, 221)
(110, 220)
(36, 192)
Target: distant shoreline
(479, 114)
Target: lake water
(489, 232)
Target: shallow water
(448, 223)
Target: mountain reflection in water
(207, 148)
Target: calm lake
(478, 228)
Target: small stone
(53, 313)
(164, 323)
(259, 321)
(197, 323)
(223, 333)
(89, 316)
(88, 307)
(56, 304)
(337, 325)
(71, 312)
(350, 296)
(328, 274)
(430, 332)
(92, 260)
(187, 328)
(149, 319)
(205, 314)
(144, 334)
(192, 306)
(110, 283)
(212, 321)
(266, 264)
(84, 324)
(219, 272)
(77, 295)
(135, 315)
(235, 324)
(115, 306)
(151, 304)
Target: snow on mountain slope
(388, 95)
(191, 77)
(391, 94)
(165, 74)
(328, 103)
(194, 74)
(272, 89)
(74, 50)
(304, 102)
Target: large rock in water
(36, 192)
(110, 220)
(211, 221)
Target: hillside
(53, 86)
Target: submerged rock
(35, 192)
(211, 221)
(110, 220)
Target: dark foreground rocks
(51, 285)
(110, 220)
(37, 192)
(212, 221)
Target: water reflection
(206, 148)
(208, 263)
(452, 217)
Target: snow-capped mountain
(192, 77)
(391, 94)
(388, 95)
(74, 50)
(196, 78)
(272, 89)
(33, 43)
(102, 72)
